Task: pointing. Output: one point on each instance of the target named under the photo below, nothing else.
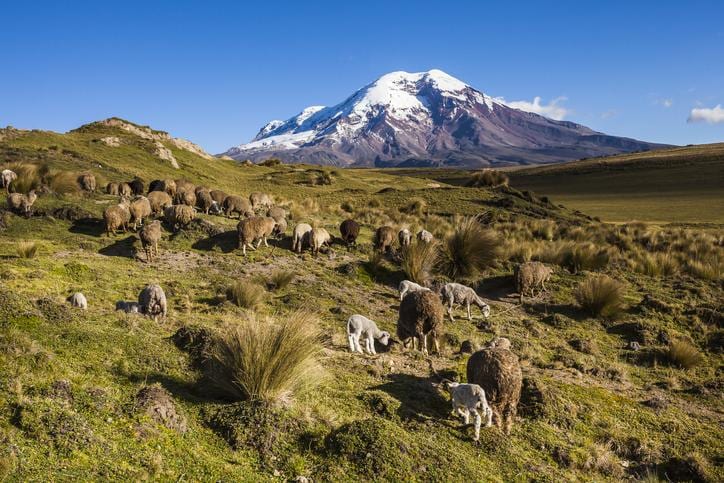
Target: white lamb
(425, 236)
(360, 326)
(6, 179)
(405, 237)
(78, 300)
(470, 398)
(455, 293)
(408, 286)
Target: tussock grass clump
(246, 294)
(27, 249)
(416, 206)
(418, 261)
(279, 279)
(603, 460)
(64, 183)
(488, 177)
(271, 360)
(712, 269)
(682, 354)
(586, 256)
(600, 295)
(544, 229)
(30, 176)
(657, 264)
(469, 250)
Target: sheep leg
(371, 345)
(265, 243)
(470, 317)
(466, 416)
(350, 339)
(423, 343)
(436, 344)
(488, 418)
(477, 425)
(450, 310)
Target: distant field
(680, 185)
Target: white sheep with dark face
(456, 293)
(359, 326)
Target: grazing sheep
(236, 204)
(113, 189)
(179, 216)
(7, 177)
(384, 238)
(260, 200)
(128, 307)
(117, 217)
(87, 182)
(185, 196)
(140, 208)
(204, 201)
(156, 185)
(78, 300)
(530, 276)
(218, 196)
(252, 229)
(499, 343)
(301, 237)
(124, 189)
(349, 229)
(170, 187)
(470, 398)
(159, 200)
(319, 237)
(360, 326)
(456, 293)
(498, 372)
(425, 236)
(198, 189)
(184, 185)
(281, 228)
(152, 302)
(150, 234)
(421, 314)
(21, 204)
(408, 286)
(166, 185)
(137, 187)
(405, 237)
(276, 212)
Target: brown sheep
(124, 189)
(185, 196)
(384, 238)
(237, 204)
(276, 212)
(159, 200)
(281, 228)
(497, 371)
(530, 276)
(113, 189)
(179, 216)
(421, 314)
(150, 234)
(87, 182)
(183, 184)
(218, 196)
(319, 237)
(140, 208)
(260, 200)
(21, 204)
(170, 187)
(349, 229)
(254, 228)
(117, 217)
(204, 201)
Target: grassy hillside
(593, 409)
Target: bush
(268, 360)
(245, 294)
(279, 279)
(271, 162)
(418, 261)
(600, 295)
(27, 249)
(711, 269)
(30, 176)
(682, 354)
(469, 250)
(488, 177)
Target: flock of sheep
(494, 374)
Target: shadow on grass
(120, 248)
(418, 398)
(226, 241)
(88, 226)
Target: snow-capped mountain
(426, 119)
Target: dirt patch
(157, 403)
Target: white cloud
(711, 115)
(667, 102)
(608, 114)
(553, 109)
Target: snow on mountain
(425, 118)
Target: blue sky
(215, 72)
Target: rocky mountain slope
(426, 119)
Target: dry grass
(27, 249)
(416, 207)
(488, 177)
(419, 260)
(603, 460)
(682, 354)
(64, 183)
(246, 294)
(600, 295)
(659, 264)
(270, 360)
(30, 176)
(279, 279)
(469, 250)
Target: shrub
(416, 206)
(323, 179)
(469, 250)
(600, 295)
(488, 177)
(418, 261)
(711, 269)
(279, 279)
(269, 360)
(245, 294)
(27, 249)
(544, 229)
(271, 162)
(682, 354)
